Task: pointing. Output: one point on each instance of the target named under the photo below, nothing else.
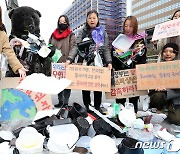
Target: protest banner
(42, 101)
(153, 75)
(125, 85)
(167, 29)
(58, 70)
(89, 78)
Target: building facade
(149, 13)
(111, 14)
(152, 12)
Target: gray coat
(79, 38)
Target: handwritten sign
(167, 29)
(42, 101)
(89, 78)
(153, 75)
(125, 85)
(58, 70)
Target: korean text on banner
(125, 85)
(89, 78)
(167, 29)
(153, 75)
(58, 70)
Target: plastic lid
(127, 117)
(103, 144)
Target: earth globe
(16, 104)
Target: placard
(58, 70)
(89, 78)
(153, 75)
(42, 101)
(125, 85)
(167, 29)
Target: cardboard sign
(58, 70)
(153, 75)
(125, 85)
(89, 78)
(167, 29)
(42, 101)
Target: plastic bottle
(115, 109)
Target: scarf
(138, 36)
(98, 35)
(58, 36)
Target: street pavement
(76, 96)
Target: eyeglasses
(62, 23)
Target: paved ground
(76, 96)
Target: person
(92, 38)
(176, 39)
(130, 29)
(6, 49)
(63, 39)
(170, 98)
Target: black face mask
(62, 26)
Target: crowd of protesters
(93, 40)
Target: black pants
(133, 100)
(63, 96)
(87, 98)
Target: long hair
(66, 19)
(174, 14)
(89, 13)
(134, 23)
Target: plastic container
(84, 141)
(91, 131)
(141, 135)
(129, 106)
(102, 127)
(77, 110)
(127, 146)
(30, 141)
(103, 144)
(127, 116)
(62, 138)
(123, 42)
(83, 125)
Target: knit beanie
(171, 45)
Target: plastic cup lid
(127, 117)
(64, 134)
(103, 144)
